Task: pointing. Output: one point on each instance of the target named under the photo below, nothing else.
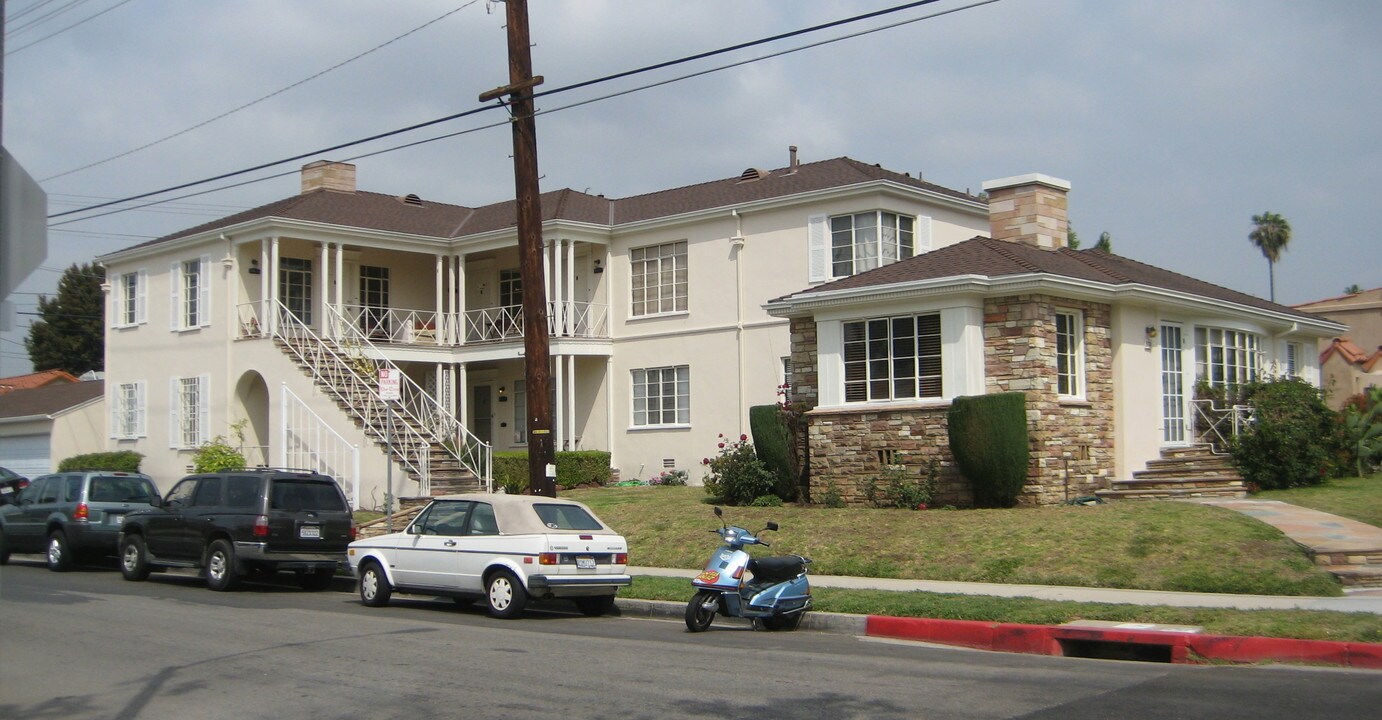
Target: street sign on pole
(390, 384)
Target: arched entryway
(252, 408)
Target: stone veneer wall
(849, 446)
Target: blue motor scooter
(775, 598)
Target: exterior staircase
(422, 437)
(1181, 473)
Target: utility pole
(537, 375)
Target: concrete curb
(1125, 642)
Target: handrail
(316, 445)
(1217, 426)
(421, 408)
(564, 319)
(358, 394)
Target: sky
(1175, 121)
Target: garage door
(27, 455)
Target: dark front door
(374, 299)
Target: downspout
(736, 244)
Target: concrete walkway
(1319, 532)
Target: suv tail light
(261, 526)
(354, 531)
(82, 513)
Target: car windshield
(8, 474)
(566, 517)
(293, 494)
(121, 489)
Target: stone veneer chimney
(329, 175)
(1029, 209)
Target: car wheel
(374, 585)
(316, 581)
(220, 567)
(698, 617)
(782, 622)
(134, 558)
(4, 549)
(595, 606)
(59, 554)
(505, 595)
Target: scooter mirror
(772, 526)
(719, 512)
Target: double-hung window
(131, 299)
(662, 396)
(127, 411)
(295, 287)
(893, 358)
(190, 411)
(658, 274)
(1069, 355)
(190, 282)
(1225, 358)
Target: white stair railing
(1217, 426)
(441, 428)
(352, 381)
(308, 442)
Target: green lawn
(1356, 498)
(1142, 545)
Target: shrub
(988, 437)
(574, 469)
(216, 455)
(773, 443)
(122, 461)
(832, 498)
(896, 488)
(737, 476)
(669, 478)
(1361, 422)
(1291, 439)
(766, 501)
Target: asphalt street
(87, 644)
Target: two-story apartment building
(273, 323)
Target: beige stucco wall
(78, 432)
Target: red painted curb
(1184, 647)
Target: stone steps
(1181, 473)
(1358, 576)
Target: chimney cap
(1028, 179)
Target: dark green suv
(72, 513)
(236, 522)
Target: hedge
(122, 461)
(574, 468)
(988, 437)
(773, 445)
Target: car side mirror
(156, 501)
(414, 530)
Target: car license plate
(116, 518)
(313, 532)
(584, 562)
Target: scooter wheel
(698, 618)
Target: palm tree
(1270, 234)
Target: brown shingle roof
(374, 211)
(49, 399)
(999, 258)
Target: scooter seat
(776, 569)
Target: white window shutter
(175, 300)
(203, 409)
(818, 248)
(141, 405)
(113, 394)
(174, 405)
(921, 235)
(204, 285)
(117, 302)
(141, 297)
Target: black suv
(236, 522)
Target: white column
(609, 410)
(340, 283)
(273, 285)
(559, 412)
(438, 306)
(547, 276)
(458, 310)
(571, 400)
(439, 372)
(265, 273)
(463, 394)
(568, 309)
(325, 286)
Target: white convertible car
(503, 548)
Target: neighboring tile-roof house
(427, 218)
(1349, 351)
(990, 258)
(34, 380)
(50, 400)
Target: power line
(456, 116)
(251, 103)
(23, 27)
(21, 13)
(69, 27)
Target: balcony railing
(401, 326)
